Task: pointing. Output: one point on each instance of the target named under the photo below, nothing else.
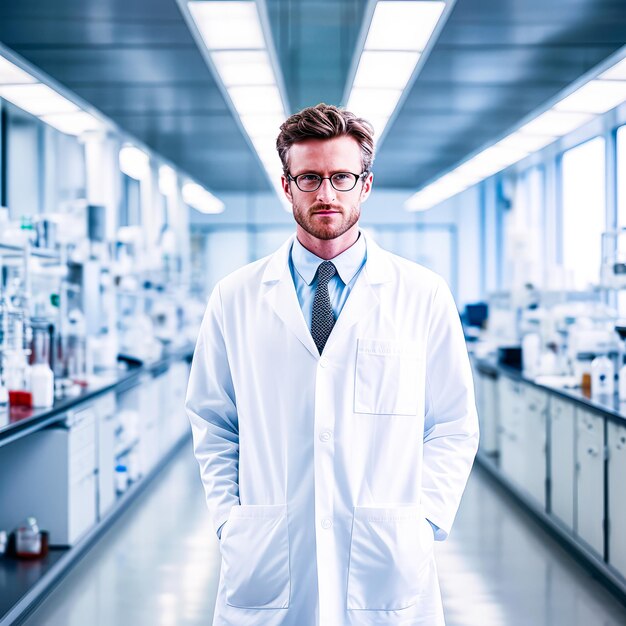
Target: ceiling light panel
(10, 74)
(617, 72)
(228, 25)
(527, 143)
(75, 123)
(167, 181)
(243, 67)
(233, 35)
(262, 100)
(385, 69)
(37, 99)
(199, 198)
(403, 25)
(262, 124)
(398, 33)
(596, 96)
(134, 162)
(378, 103)
(555, 123)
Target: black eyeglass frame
(357, 177)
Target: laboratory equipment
(613, 268)
(602, 376)
(531, 352)
(41, 376)
(28, 539)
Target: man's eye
(341, 177)
(308, 178)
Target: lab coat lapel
(364, 297)
(281, 295)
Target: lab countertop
(19, 421)
(607, 405)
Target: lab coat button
(325, 435)
(323, 362)
(327, 523)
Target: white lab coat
(326, 469)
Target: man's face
(326, 213)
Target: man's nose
(326, 192)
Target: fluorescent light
(134, 162)
(385, 69)
(398, 33)
(243, 67)
(596, 96)
(167, 180)
(426, 198)
(485, 164)
(11, 74)
(527, 143)
(249, 100)
(199, 198)
(617, 72)
(555, 123)
(262, 124)
(373, 102)
(72, 123)
(233, 35)
(37, 99)
(228, 25)
(378, 123)
(403, 25)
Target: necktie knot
(325, 271)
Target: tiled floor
(158, 566)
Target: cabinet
(562, 460)
(510, 409)
(616, 441)
(51, 474)
(534, 443)
(486, 387)
(149, 403)
(105, 408)
(589, 518)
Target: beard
(326, 227)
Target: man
(332, 408)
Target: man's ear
(286, 188)
(367, 187)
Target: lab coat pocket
(255, 557)
(386, 377)
(389, 552)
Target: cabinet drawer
(82, 462)
(106, 405)
(82, 507)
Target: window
(130, 208)
(23, 163)
(621, 177)
(534, 203)
(583, 211)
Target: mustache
(324, 207)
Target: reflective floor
(158, 566)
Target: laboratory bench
(562, 454)
(77, 465)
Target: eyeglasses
(341, 181)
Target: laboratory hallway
(158, 565)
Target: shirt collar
(348, 263)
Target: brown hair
(325, 121)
